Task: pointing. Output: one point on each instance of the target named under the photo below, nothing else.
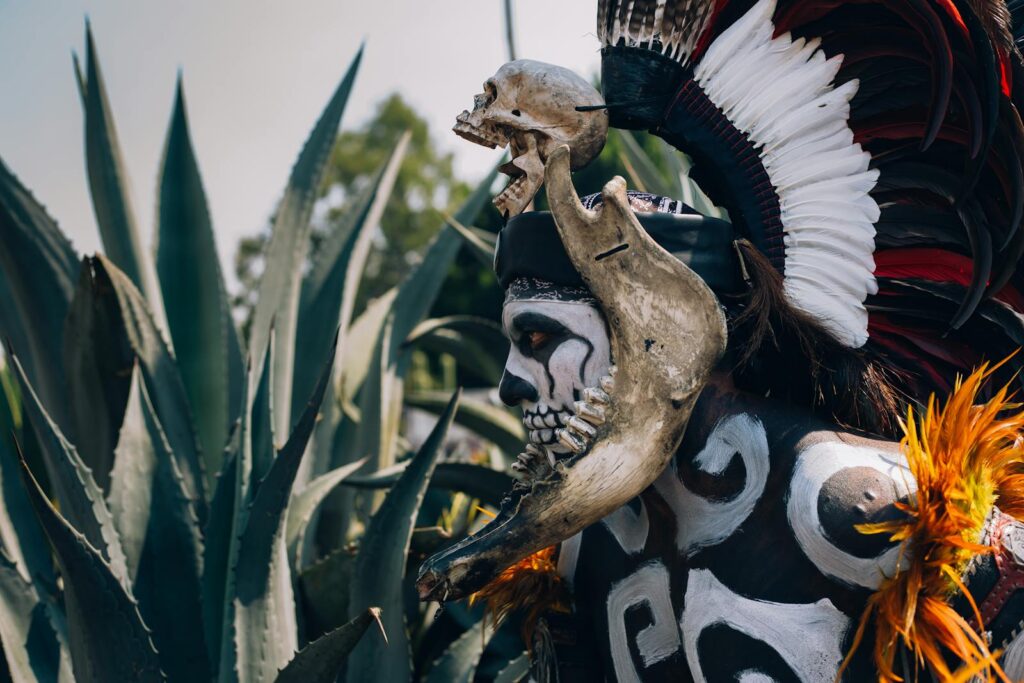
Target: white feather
(780, 92)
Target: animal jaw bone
(667, 334)
(530, 107)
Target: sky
(256, 76)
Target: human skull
(530, 107)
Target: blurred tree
(426, 185)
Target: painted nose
(513, 390)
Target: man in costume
(769, 448)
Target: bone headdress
(667, 334)
(530, 107)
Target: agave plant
(162, 485)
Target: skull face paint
(559, 347)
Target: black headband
(529, 247)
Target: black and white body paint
(741, 562)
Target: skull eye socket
(537, 340)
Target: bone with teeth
(645, 294)
(530, 107)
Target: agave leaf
(380, 405)
(163, 541)
(289, 244)
(689, 191)
(38, 269)
(487, 331)
(417, 293)
(477, 481)
(80, 499)
(329, 292)
(131, 480)
(643, 172)
(306, 502)
(678, 175)
(378, 428)
(20, 534)
(79, 77)
(108, 185)
(325, 585)
(482, 249)
(98, 361)
(223, 540)
(264, 610)
(263, 448)
(362, 342)
(516, 670)
(107, 289)
(497, 425)
(477, 343)
(30, 645)
(321, 660)
(205, 340)
(107, 637)
(380, 565)
(458, 663)
(218, 533)
(466, 351)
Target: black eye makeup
(533, 332)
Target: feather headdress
(870, 149)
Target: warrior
(782, 446)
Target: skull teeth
(513, 191)
(479, 136)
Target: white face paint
(558, 349)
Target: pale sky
(256, 74)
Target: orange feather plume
(966, 458)
(532, 584)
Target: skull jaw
(526, 173)
(668, 333)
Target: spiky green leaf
(20, 534)
(77, 493)
(517, 670)
(467, 351)
(458, 663)
(477, 481)
(362, 341)
(107, 637)
(497, 425)
(305, 503)
(417, 292)
(479, 246)
(218, 533)
(131, 479)
(263, 448)
(38, 268)
(289, 244)
(321, 660)
(264, 603)
(643, 171)
(163, 541)
(109, 186)
(30, 645)
(117, 325)
(329, 291)
(380, 405)
(198, 313)
(380, 565)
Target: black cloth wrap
(529, 247)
